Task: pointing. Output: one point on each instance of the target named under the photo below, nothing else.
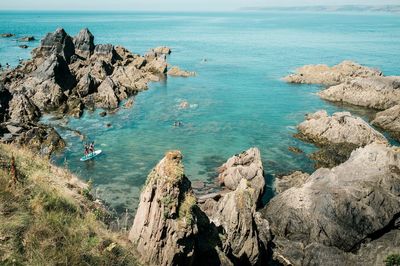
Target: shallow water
(237, 99)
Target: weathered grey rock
(374, 92)
(236, 214)
(247, 165)
(84, 43)
(177, 72)
(389, 120)
(105, 97)
(341, 127)
(164, 227)
(157, 66)
(296, 179)
(323, 74)
(86, 85)
(343, 206)
(58, 42)
(23, 110)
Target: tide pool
(237, 99)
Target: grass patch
(46, 219)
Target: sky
(172, 5)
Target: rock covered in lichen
(164, 227)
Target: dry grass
(46, 220)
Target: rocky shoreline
(346, 212)
(67, 75)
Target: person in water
(91, 147)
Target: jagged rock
(389, 120)
(75, 107)
(341, 127)
(373, 92)
(296, 179)
(105, 97)
(128, 77)
(236, 214)
(177, 72)
(43, 139)
(84, 43)
(5, 97)
(105, 52)
(247, 165)
(158, 65)
(22, 110)
(343, 206)
(86, 85)
(58, 42)
(26, 39)
(323, 74)
(164, 228)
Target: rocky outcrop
(177, 72)
(336, 136)
(296, 179)
(374, 92)
(26, 39)
(389, 120)
(247, 165)
(323, 74)
(67, 75)
(84, 43)
(170, 228)
(336, 210)
(341, 127)
(164, 227)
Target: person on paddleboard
(91, 147)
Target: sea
(237, 100)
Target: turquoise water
(237, 99)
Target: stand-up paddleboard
(90, 155)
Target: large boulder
(105, 52)
(341, 127)
(374, 92)
(341, 207)
(389, 120)
(164, 227)
(58, 42)
(323, 74)
(84, 43)
(246, 165)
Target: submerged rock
(374, 92)
(177, 72)
(389, 120)
(164, 227)
(26, 39)
(7, 35)
(23, 46)
(323, 74)
(338, 209)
